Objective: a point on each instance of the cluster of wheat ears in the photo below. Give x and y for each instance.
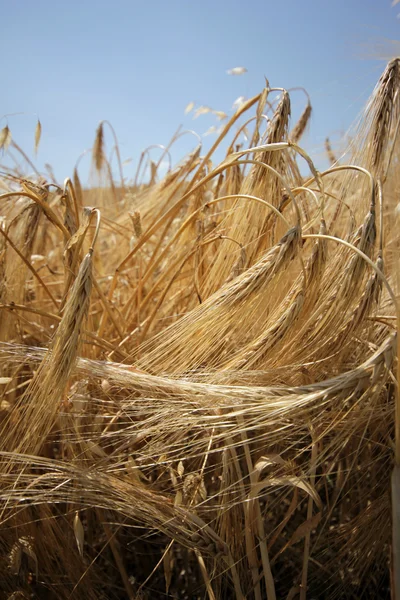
(198, 373)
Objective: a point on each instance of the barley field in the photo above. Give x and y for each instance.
(198, 372)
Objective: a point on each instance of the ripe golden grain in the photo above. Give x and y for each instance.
(209, 379)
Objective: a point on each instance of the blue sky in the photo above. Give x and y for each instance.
(138, 64)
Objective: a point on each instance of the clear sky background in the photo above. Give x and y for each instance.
(138, 64)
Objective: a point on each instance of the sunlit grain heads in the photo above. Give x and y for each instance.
(300, 127)
(385, 111)
(267, 267)
(229, 397)
(280, 120)
(98, 153)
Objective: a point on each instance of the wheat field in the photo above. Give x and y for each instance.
(198, 372)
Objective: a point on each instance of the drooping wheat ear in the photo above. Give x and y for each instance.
(387, 101)
(257, 350)
(376, 135)
(301, 124)
(99, 158)
(219, 315)
(262, 272)
(40, 403)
